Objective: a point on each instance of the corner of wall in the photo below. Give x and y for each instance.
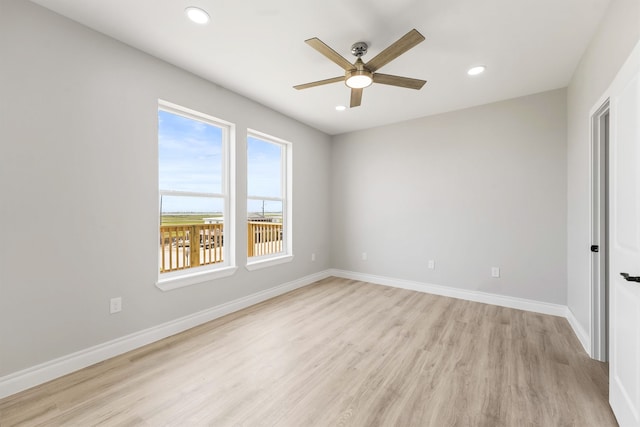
(580, 332)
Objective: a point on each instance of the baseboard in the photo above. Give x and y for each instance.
(477, 296)
(39, 374)
(30, 377)
(582, 335)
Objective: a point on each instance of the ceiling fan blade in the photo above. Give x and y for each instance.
(321, 47)
(387, 79)
(406, 42)
(320, 83)
(356, 97)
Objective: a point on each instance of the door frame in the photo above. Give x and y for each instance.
(599, 231)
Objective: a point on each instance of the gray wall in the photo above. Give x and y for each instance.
(78, 166)
(471, 189)
(618, 33)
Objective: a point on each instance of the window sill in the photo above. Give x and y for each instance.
(268, 262)
(188, 279)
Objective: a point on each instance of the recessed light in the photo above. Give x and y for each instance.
(340, 108)
(197, 15)
(476, 70)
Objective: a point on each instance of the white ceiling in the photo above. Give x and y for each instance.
(256, 48)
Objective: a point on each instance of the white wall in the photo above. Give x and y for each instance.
(618, 33)
(78, 166)
(471, 189)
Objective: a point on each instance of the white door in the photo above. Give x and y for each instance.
(624, 351)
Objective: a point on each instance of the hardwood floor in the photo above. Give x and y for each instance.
(339, 353)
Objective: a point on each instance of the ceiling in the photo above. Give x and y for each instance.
(256, 49)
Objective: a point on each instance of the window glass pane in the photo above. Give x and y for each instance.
(264, 228)
(264, 168)
(190, 154)
(264, 210)
(191, 233)
(178, 210)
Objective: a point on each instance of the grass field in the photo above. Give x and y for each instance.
(198, 218)
(187, 219)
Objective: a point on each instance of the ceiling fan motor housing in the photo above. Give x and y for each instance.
(359, 49)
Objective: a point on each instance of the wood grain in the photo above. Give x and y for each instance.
(339, 353)
(331, 54)
(400, 46)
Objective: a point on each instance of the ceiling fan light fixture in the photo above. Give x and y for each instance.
(358, 79)
(197, 15)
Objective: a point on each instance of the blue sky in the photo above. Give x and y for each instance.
(190, 159)
(263, 168)
(190, 154)
(263, 174)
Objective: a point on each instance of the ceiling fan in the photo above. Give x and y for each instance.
(360, 75)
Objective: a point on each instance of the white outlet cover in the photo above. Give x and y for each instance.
(431, 264)
(495, 272)
(115, 305)
(364, 256)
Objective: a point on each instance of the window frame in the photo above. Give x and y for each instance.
(190, 276)
(286, 173)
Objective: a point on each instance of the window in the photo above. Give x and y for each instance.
(268, 200)
(195, 156)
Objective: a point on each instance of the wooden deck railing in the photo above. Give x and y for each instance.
(177, 252)
(263, 238)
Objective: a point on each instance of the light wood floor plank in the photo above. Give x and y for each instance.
(339, 353)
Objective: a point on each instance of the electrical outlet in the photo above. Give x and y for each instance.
(364, 256)
(495, 272)
(313, 257)
(431, 264)
(115, 305)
